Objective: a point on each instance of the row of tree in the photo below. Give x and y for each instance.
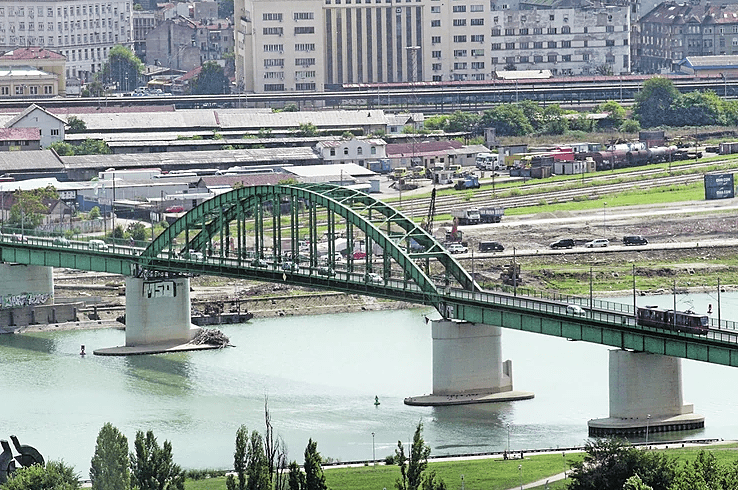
(259, 463)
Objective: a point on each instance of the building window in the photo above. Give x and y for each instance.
(4, 90)
(610, 58)
(435, 9)
(305, 30)
(305, 47)
(359, 151)
(435, 39)
(609, 28)
(538, 45)
(476, 8)
(459, 22)
(54, 132)
(277, 31)
(333, 152)
(436, 23)
(552, 44)
(552, 30)
(537, 30)
(585, 57)
(477, 65)
(459, 8)
(566, 57)
(345, 151)
(509, 45)
(477, 22)
(496, 31)
(460, 53)
(459, 66)
(524, 31)
(552, 58)
(460, 39)
(524, 59)
(496, 46)
(509, 32)
(304, 16)
(566, 30)
(477, 38)
(524, 45)
(609, 42)
(435, 54)
(551, 17)
(566, 44)
(437, 67)
(477, 52)
(264, 16)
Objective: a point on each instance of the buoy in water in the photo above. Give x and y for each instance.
(82, 350)
(376, 401)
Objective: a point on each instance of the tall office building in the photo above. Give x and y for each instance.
(83, 31)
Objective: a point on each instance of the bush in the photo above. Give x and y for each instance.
(630, 126)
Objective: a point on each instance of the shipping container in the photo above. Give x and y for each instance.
(719, 186)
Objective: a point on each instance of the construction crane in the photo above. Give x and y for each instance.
(427, 223)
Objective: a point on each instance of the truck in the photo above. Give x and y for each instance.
(381, 166)
(469, 216)
(468, 182)
(488, 161)
(491, 215)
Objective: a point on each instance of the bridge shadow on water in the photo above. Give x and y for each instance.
(29, 342)
(164, 374)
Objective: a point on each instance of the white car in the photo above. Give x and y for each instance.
(373, 278)
(457, 248)
(575, 310)
(598, 242)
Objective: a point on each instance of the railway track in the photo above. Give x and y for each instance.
(556, 192)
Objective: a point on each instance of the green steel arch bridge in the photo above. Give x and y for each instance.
(295, 233)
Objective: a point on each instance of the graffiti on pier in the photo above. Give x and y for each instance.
(24, 299)
(27, 456)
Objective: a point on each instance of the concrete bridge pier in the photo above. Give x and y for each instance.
(645, 397)
(157, 317)
(468, 367)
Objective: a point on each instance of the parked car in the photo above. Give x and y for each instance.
(18, 238)
(174, 209)
(491, 247)
(259, 263)
(326, 271)
(575, 310)
(457, 248)
(97, 245)
(634, 240)
(290, 266)
(598, 242)
(193, 255)
(373, 278)
(60, 240)
(563, 243)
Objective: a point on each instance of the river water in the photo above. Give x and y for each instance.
(320, 375)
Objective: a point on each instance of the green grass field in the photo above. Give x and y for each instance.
(479, 474)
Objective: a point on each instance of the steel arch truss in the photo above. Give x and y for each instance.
(282, 224)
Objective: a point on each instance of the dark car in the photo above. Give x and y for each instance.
(634, 240)
(491, 247)
(563, 243)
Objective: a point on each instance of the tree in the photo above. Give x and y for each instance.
(137, 231)
(508, 120)
(76, 125)
(554, 121)
(609, 463)
(109, 468)
(314, 477)
(92, 147)
(94, 89)
(653, 103)
(62, 148)
(239, 456)
(257, 469)
(211, 80)
(225, 9)
(152, 466)
(94, 213)
(51, 476)
(307, 129)
(533, 112)
(463, 122)
(436, 123)
(412, 471)
(296, 479)
(28, 206)
(615, 114)
(122, 68)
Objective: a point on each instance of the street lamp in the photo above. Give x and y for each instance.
(520, 470)
(462, 482)
(604, 218)
(648, 419)
(508, 438)
(374, 459)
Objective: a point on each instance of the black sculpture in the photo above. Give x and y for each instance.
(28, 456)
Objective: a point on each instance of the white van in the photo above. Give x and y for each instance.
(97, 245)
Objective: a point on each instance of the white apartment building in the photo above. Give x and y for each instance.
(81, 30)
(316, 45)
(567, 41)
(354, 150)
(313, 45)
